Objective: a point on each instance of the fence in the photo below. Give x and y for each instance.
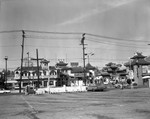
(65, 89)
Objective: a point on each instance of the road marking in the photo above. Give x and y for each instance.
(33, 109)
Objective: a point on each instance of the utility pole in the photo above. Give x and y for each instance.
(28, 69)
(23, 36)
(83, 47)
(37, 58)
(6, 58)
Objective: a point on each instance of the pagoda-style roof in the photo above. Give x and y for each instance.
(52, 67)
(140, 62)
(109, 70)
(113, 67)
(137, 62)
(105, 74)
(65, 68)
(44, 61)
(121, 70)
(77, 70)
(61, 63)
(89, 67)
(138, 56)
(34, 68)
(147, 58)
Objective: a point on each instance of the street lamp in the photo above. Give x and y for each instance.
(88, 55)
(6, 58)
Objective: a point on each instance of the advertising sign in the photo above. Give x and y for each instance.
(79, 74)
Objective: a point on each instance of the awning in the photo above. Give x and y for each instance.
(146, 77)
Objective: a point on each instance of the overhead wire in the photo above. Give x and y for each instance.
(91, 39)
(73, 33)
(12, 31)
(113, 38)
(116, 43)
(46, 32)
(95, 38)
(9, 45)
(51, 46)
(50, 38)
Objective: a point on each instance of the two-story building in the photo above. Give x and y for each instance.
(30, 73)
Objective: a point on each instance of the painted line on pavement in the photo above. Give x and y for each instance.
(33, 109)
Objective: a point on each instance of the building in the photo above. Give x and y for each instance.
(139, 66)
(54, 76)
(30, 73)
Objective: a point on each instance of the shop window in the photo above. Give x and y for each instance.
(45, 83)
(51, 83)
(44, 72)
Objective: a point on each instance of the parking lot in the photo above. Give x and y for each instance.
(112, 104)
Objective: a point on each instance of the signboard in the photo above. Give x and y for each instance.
(53, 76)
(79, 74)
(74, 64)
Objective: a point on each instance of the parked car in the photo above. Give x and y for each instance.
(2, 91)
(96, 87)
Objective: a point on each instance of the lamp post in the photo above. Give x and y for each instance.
(88, 55)
(6, 58)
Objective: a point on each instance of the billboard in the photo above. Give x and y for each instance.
(74, 64)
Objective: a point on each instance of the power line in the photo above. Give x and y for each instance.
(9, 45)
(50, 46)
(117, 41)
(116, 44)
(80, 33)
(12, 31)
(50, 38)
(46, 32)
(108, 37)
(73, 33)
(94, 40)
(110, 49)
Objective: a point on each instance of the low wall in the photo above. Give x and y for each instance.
(65, 89)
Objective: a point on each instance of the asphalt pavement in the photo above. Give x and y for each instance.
(112, 104)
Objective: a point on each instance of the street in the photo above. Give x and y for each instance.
(112, 104)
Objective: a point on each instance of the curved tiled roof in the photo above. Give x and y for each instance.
(137, 62)
(77, 69)
(89, 67)
(138, 56)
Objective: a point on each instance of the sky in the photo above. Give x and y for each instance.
(125, 21)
